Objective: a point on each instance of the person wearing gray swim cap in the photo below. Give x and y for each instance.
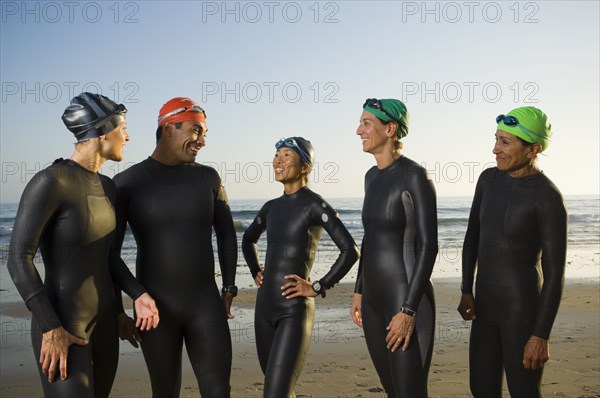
(67, 211)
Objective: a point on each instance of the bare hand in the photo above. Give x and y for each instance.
(356, 309)
(297, 288)
(146, 312)
(400, 330)
(536, 353)
(466, 308)
(127, 329)
(54, 351)
(260, 277)
(227, 300)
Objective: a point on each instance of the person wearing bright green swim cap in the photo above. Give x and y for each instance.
(393, 297)
(521, 135)
(514, 253)
(528, 123)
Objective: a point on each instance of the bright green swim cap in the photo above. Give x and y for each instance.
(389, 110)
(528, 123)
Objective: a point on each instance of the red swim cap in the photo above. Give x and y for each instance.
(181, 109)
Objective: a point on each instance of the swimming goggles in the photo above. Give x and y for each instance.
(513, 121)
(376, 104)
(191, 108)
(119, 109)
(292, 144)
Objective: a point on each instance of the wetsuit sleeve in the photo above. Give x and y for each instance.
(251, 236)
(123, 278)
(552, 218)
(226, 238)
(358, 284)
(40, 200)
(471, 243)
(331, 222)
(425, 207)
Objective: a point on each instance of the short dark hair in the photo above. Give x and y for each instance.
(159, 130)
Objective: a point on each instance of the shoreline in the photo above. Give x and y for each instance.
(338, 364)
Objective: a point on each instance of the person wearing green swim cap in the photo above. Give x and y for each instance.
(393, 297)
(516, 241)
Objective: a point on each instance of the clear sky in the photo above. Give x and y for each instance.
(268, 69)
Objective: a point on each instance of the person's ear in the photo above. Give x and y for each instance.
(391, 129)
(306, 168)
(168, 129)
(534, 150)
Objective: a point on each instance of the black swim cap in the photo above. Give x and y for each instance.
(300, 145)
(92, 115)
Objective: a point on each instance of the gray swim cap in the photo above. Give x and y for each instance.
(92, 115)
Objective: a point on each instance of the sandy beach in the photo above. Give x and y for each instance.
(338, 364)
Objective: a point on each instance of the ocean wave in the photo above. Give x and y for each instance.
(5, 230)
(584, 218)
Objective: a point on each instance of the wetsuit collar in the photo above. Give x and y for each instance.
(529, 177)
(163, 166)
(74, 163)
(295, 194)
(392, 165)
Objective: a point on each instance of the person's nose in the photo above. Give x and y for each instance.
(496, 148)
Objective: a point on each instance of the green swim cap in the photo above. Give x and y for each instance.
(528, 123)
(389, 110)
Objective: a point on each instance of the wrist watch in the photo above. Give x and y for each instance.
(408, 311)
(318, 288)
(230, 289)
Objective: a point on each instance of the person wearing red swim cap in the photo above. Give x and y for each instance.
(172, 205)
(67, 212)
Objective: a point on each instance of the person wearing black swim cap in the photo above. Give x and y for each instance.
(285, 306)
(394, 300)
(67, 212)
(516, 243)
(172, 205)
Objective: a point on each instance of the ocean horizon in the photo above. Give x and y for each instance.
(453, 214)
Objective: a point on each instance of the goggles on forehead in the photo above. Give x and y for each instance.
(376, 104)
(512, 121)
(120, 109)
(292, 144)
(191, 108)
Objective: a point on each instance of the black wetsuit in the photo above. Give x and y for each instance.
(294, 224)
(67, 211)
(171, 211)
(398, 253)
(514, 223)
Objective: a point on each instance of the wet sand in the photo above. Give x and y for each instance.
(338, 364)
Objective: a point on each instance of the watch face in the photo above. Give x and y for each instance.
(317, 286)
